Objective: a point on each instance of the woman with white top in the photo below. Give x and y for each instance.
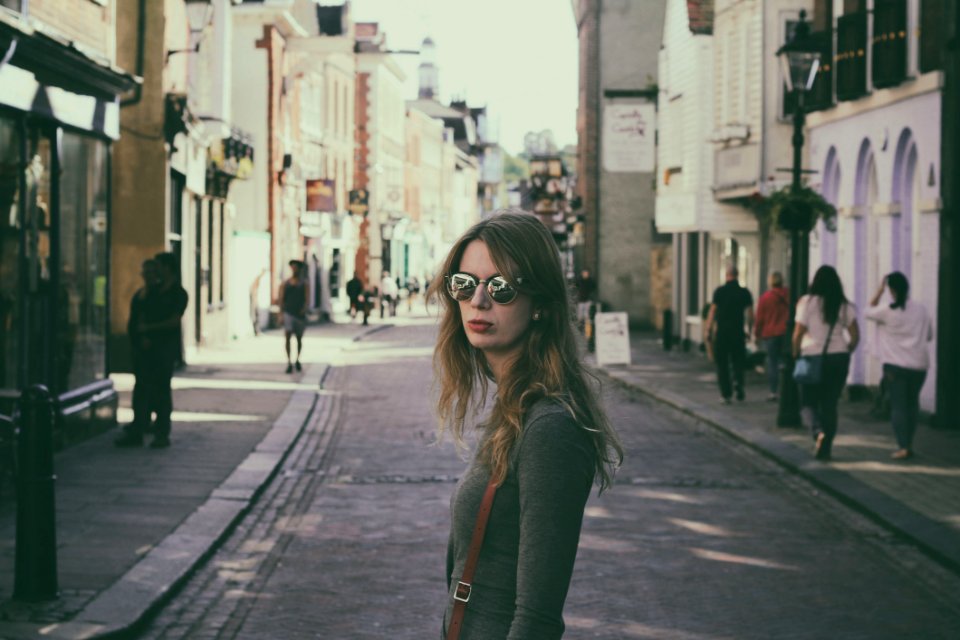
(823, 315)
(903, 331)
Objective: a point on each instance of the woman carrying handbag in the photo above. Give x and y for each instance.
(826, 327)
(516, 512)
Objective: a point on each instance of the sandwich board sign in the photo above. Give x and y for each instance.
(613, 338)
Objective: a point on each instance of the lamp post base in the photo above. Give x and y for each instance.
(788, 414)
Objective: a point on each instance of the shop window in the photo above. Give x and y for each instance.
(10, 143)
(38, 298)
(81, 305)
(13, 5)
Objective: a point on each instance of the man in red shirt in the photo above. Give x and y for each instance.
(773, 310)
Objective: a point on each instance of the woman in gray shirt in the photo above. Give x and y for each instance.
(546, 440)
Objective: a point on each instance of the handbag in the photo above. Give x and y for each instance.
(462, 594)
(809, 369)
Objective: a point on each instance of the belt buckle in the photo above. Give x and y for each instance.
(462, 594)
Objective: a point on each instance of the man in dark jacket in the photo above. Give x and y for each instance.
(139, 347)
(730, 303)
(158, 329)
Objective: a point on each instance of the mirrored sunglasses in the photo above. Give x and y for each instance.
(462, 286)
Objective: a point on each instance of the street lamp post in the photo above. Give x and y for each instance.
(800, 61)
(199, 16)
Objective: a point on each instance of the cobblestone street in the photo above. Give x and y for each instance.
(700, 538)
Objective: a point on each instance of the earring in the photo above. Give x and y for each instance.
(536, 315)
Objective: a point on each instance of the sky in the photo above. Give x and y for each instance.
(517, 57)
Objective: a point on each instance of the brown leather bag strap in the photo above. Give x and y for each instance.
(462, 594)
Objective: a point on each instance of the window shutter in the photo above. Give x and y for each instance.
(889, 43)
(931, 35)
(821, 94)
(851, 59)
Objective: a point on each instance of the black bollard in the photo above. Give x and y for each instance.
(667, 329)
(35, 568)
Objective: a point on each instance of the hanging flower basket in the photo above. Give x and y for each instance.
(795, 209)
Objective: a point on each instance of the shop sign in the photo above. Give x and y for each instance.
(359, 202)
(613, 338)
(321, 195)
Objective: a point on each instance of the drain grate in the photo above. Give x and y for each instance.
(396, 479)
(686, 482)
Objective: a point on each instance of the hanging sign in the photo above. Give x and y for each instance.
(359, 202)
(629, 133)
(321, 195)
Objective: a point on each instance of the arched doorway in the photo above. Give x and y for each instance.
(905, 192)
(827, 239)
(866, 234)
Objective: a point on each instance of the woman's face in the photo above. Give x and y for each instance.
(496, 329)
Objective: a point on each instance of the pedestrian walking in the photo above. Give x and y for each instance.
(506, 319)
(825, 326)
(354, 292)
(389, 292)
(732, 304)
(413, 290)
(586, 287)
(293, 304)
(159, 332)
(770, 330)
(904, 329)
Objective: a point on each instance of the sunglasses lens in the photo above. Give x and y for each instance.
(500, 290)
(462, 286)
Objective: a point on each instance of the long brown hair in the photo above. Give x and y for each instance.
(547, 365)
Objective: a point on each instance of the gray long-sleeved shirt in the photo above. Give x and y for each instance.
(527, 556)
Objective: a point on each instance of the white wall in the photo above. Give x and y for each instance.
(863, 260)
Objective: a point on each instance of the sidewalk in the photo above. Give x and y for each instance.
(133, 523)
(918, 498)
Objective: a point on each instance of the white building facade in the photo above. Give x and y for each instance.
(685, 204)
(877, 153)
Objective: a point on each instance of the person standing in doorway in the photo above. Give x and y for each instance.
(160, 329)
(903, 332)
(139, 351)
(293, 304)
(773, 311)
(730, 303)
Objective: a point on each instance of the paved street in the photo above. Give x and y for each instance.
(700, 538)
